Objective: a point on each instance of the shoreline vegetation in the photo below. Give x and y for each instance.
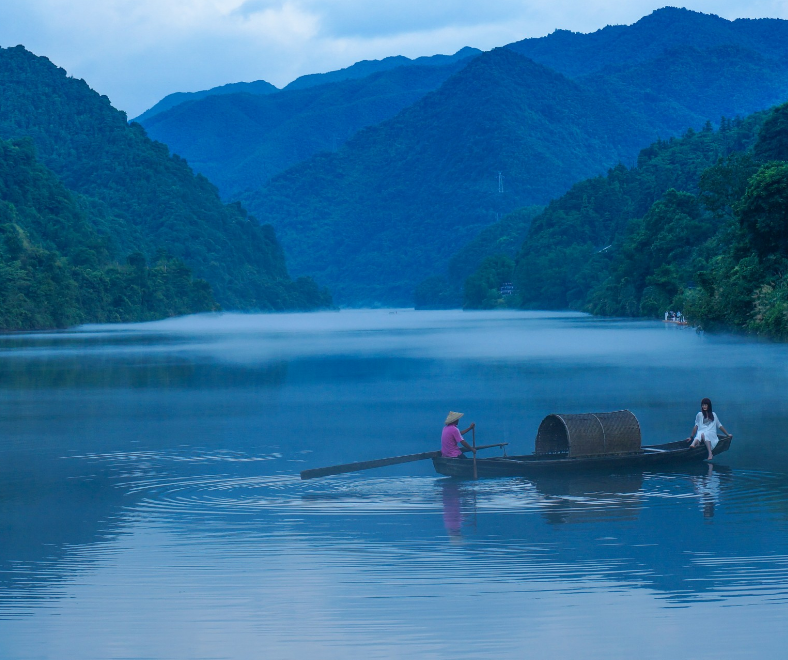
(699, 225)
(99, 223)
(56, 271)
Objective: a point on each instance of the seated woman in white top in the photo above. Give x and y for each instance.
(706, 425)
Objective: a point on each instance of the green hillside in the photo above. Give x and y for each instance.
(699, 226)
(570, 244)
(392, 206)
(138, 197)
(56, 270)
(502, 238)
(721, 255)
(240, 141)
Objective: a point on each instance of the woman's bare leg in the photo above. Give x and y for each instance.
(708, 446)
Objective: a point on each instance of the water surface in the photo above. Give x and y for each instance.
(150, 505)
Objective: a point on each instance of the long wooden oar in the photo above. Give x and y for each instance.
(380, 462)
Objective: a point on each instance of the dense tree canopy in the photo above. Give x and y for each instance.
(502, 238)
(55, 269)
(136, 196)
(763, 210)
(699, 226)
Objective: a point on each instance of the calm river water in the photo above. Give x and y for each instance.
(150, 504)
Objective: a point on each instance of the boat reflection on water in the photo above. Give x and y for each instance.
(592, 497)
(459, 508)
(586, 498)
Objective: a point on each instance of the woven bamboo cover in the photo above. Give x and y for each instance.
(589, 434)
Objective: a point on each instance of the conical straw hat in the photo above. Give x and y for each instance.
(452, 417)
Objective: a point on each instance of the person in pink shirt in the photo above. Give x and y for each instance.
(451, 438)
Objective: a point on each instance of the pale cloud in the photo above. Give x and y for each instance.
(351, 18)
(137, 51)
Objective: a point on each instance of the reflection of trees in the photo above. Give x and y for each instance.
(134, 372)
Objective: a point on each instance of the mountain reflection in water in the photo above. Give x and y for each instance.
(150, 504)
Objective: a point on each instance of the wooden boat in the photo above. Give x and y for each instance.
(577, 443)
(564, 444)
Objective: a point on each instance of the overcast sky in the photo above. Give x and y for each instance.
(138, 51)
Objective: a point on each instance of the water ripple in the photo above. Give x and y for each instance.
(153, 477)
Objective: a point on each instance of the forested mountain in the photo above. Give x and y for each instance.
(56, 270)
(137, 196)
(261, 87)
(576, 54)
(727, 78)
(645, 66)
(432, 171)
(240, 141)
(414, 189)
(503, 238)
(720, 255)
(698, 226)
(569, 245)
(685, 86)
(258, 88)
(389, 208)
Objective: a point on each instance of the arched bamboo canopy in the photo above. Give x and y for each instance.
(589, 434)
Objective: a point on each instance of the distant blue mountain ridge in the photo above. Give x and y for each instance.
(366, 68)
(571, 53)
(577, 54)
(360, 69)
(258, 88)
(374, 182)
(401, 197)
(239, 141)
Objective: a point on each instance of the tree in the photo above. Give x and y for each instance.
(773, 137)
(763, 212)
(483, 288)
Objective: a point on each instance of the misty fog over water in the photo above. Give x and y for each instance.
(150, 503)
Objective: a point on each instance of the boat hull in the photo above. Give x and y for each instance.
(652, 456)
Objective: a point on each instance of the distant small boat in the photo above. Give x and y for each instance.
(677, 318)
(578, 443)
